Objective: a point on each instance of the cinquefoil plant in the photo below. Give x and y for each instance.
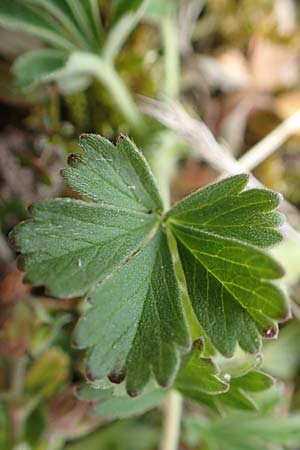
(125, 253)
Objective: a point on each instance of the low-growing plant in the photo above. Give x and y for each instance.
(167, 288)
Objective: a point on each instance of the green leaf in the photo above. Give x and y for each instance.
(112, 405)
(73, 21)
(236, 395)
(48, 373)
(130, 434)
(62, 13)
(121, 255)
(5, 426)
(122, 7)
(84, 15)
(117, 175)
(199, 375)
(225, 210)
(19, 16)
(282, 357)
(93, 16)
(127, 15)
(225, 275)
(32, 67)
(253, 381)
(138, 323)
(244, 431)
(77, 244)
(115, 248)
(35, 426)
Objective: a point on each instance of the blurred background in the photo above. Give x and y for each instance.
(165, 72)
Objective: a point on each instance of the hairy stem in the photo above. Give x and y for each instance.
(172, 419)
(90, 65)
(108, 76)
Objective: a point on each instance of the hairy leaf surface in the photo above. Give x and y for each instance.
(115, 248)
(138, 321)
(200, 375)
(238, 394)
(118, 175)
(76, 244)
(225, 210)
(227, 277)
(112, 405)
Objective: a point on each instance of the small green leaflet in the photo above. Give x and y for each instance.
(200, 375)
(217, 229)
(114, 248)
(236, 393)
(111, 401)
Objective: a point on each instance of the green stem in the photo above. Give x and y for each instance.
(164, 163)
(108, 76)
(87, 64)
(120, 32)
(172, 59)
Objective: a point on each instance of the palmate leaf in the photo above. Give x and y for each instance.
(216, 229)
(121, 254)
(115, 249)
